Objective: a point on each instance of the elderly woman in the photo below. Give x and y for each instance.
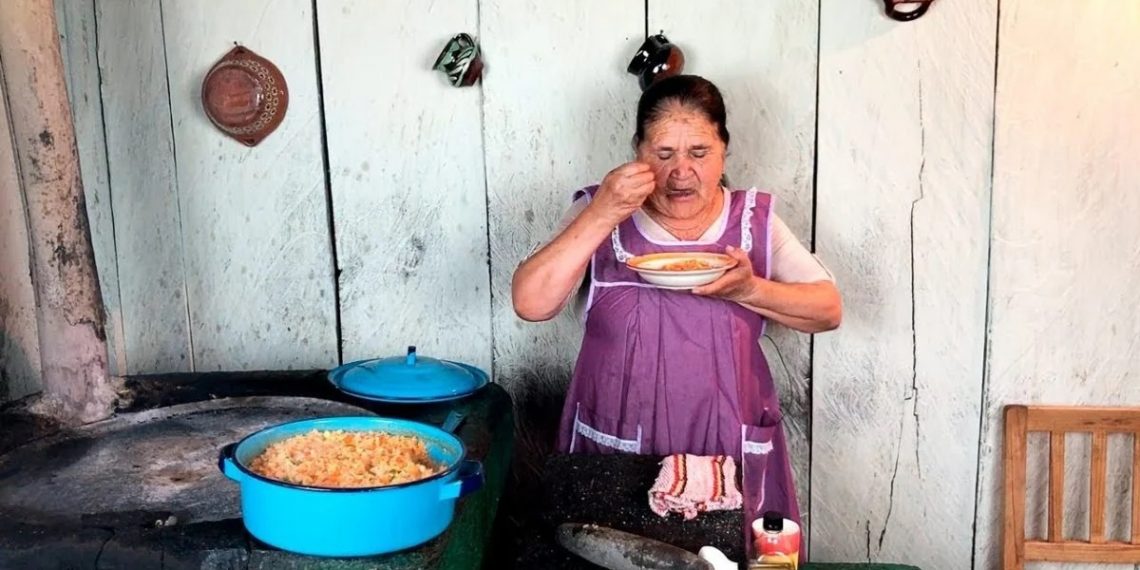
(664, 371)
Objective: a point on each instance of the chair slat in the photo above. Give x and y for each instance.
(1056, 486)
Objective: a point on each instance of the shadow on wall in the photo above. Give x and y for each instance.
(537, 393)
(18, 377)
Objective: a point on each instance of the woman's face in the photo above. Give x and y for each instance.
(687, 156)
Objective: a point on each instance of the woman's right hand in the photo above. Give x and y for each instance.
(623, 191)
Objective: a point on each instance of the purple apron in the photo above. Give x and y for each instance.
(663, 372)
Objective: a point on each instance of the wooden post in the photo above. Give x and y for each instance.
(1013, 450)
(70, 317)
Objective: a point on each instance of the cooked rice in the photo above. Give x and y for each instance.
(687, 265)
(338, 458)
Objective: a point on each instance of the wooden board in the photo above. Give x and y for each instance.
(255, 222)
(762, 56)
(406, 169)
(1063, 278)
(144, 193)
(79, 47)
(19, 337)
(902, 208)
(556, 119)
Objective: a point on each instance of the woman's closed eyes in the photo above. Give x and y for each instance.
(696, 152)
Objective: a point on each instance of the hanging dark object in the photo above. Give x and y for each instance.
(656, 59)
(461, 61)
(245, 96)
(906, 10)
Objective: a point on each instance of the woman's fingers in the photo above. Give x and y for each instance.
(740, 256)
(732, 282)
(629, 169)
(625, 189)
(710, 289)
(641, 178)
(636, 167)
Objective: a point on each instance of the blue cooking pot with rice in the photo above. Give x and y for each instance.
(322, 521)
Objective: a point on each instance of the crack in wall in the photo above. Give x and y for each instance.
(913, 300)
(868, 532)
(912, 395)
(891, 496)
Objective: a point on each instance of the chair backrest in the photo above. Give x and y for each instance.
(1057, 421)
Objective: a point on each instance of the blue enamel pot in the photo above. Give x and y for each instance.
(321, 521)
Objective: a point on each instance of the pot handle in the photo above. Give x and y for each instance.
(469, 480)
(454, 419)
(226, 462)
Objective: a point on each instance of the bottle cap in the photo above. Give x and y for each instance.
(773, 521)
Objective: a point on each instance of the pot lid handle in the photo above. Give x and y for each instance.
(411, 360)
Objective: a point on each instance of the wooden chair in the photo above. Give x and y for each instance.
(1057, 421)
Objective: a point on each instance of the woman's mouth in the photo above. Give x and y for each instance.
(680, 193)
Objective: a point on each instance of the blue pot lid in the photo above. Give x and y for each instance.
(410, 378)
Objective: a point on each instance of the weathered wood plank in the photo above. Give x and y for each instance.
(254, 220)
(144, 193)
(19, 339)
(903, 188)
(1062, 323)
(406, 169)
(553, 124)
(76, 20)
(762, 56)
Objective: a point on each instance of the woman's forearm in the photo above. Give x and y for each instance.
(806, 307)
(544, 281)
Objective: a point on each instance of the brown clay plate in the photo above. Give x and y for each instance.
(245, 96)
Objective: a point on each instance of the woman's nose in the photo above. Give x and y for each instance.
(680, 168)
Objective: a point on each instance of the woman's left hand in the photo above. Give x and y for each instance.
(737, 284)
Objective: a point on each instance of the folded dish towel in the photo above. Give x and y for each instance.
(692, 484)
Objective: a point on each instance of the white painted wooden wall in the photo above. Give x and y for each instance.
(970, 178)
(902, 205)
(1065, 265)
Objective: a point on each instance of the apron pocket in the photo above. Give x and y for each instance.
(597, 433)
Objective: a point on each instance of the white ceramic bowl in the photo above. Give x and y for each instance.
(654, 268)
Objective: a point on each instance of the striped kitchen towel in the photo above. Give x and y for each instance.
(692, 484)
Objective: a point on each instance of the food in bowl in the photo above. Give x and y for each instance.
(681, 270)
(687, 265)
(346, 459)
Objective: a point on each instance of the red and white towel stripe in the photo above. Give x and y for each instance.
(692, 484)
